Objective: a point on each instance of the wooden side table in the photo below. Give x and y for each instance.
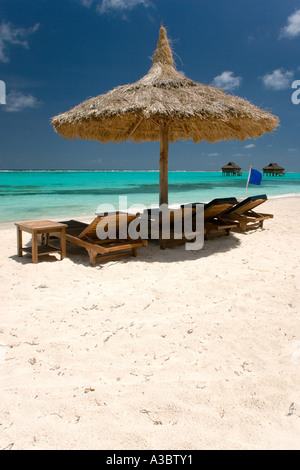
(42, 227)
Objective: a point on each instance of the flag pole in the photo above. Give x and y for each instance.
(248, 181)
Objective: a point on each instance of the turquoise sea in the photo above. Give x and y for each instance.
(26, 195)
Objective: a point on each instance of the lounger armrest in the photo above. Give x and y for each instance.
(261, 214)
(252, 213)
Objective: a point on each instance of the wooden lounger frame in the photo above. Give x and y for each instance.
(245, 216)
(85, 236)
(214, 226)
(176, 215)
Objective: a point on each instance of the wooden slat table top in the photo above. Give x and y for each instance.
(40, 226)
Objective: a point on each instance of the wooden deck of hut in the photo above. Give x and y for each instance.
(231, 169)
(273, 169)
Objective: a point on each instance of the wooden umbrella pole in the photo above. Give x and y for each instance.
(163, 165)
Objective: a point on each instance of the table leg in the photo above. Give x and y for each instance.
(34, 248)
(63, 243)
(19, 242)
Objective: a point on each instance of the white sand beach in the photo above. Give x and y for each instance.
(174, 349)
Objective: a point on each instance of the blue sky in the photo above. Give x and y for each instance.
(54, 54)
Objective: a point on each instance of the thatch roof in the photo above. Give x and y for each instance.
(273, 166)
(164, 97)
(230, 166)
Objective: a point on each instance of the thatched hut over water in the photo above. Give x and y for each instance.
(273, 169)
(231, 169)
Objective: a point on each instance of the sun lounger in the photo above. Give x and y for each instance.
(85, 236)
(214, 226)
(174, 229)
(244, 214)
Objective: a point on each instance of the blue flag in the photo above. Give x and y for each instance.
(255, 177)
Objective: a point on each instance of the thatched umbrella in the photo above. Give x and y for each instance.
(164, 105)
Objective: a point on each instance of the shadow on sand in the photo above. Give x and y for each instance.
(149, 254)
